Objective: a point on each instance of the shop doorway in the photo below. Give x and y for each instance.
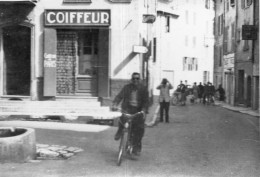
(249, 86)
(241, 81)
(17, 60)
(82, 62)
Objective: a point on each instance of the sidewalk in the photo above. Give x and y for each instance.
(243, 110)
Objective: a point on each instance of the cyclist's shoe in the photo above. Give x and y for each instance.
(118, 135)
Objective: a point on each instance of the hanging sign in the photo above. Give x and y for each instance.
(77, 17)
(139, 49)
(148, 18)
(249, 32)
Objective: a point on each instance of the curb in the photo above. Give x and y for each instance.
(242, 110)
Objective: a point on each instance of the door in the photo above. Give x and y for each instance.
(249, 87)
(17, 60)
(87, 62)
(241, 86)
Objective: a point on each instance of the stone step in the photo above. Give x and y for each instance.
(50, 103)
(70, 116)
(51, 109)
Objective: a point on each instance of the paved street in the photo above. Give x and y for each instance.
(199, 141)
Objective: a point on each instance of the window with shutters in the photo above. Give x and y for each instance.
(220, 53)
(232, 3)
(190, 64)
(246, 3)
(226, 40)
(233, 37)
(227, 5)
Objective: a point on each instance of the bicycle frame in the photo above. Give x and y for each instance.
(126, 144)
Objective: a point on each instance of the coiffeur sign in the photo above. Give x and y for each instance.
(77, 17)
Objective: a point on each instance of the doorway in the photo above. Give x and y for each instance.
(241, 81)
(249, 86)
(17, 60)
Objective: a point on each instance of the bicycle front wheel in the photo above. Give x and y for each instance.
(121, 150)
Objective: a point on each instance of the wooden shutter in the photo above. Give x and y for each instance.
(103, 63)
(50, 47)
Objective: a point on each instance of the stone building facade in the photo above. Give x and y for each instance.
(240, 71)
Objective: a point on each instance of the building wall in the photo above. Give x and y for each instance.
(244, 57)
(126, 30)
(191, 36)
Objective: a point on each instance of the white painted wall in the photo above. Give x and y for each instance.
(126, 29)
(172, 48)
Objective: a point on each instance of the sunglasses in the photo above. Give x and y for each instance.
(135, 78)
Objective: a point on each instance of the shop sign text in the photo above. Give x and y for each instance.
(77, 17)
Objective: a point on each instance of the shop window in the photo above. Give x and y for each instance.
(77, 1)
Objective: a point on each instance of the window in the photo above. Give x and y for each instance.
(186, 41)
(187, 17)
(227, 6)
(233, 37)
(190, 64)
(220, 24)
(220, 56)
(168, 24)
(194, 18)
(245, 3)
(226, 40)
(232, 3)
(207, 4)
(194, 41)
(205, 76)
(154, 49)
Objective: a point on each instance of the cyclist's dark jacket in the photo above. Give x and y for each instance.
(125, 94)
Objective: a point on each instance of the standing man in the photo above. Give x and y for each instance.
(201, 91)
(183, 93)
(164, 99)
(134, 97)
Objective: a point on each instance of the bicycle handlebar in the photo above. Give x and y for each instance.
(129, 116)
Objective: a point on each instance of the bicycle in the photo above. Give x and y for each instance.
(126, 143)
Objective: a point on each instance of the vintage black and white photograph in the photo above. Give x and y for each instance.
(129, 88)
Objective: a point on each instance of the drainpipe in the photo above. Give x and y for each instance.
(235, 57)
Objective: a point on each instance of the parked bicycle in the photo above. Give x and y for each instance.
(126, 139)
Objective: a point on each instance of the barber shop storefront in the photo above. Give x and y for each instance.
(69, 48)
(65, 55)
(76, 51)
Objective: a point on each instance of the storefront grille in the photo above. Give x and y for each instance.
(66, 62)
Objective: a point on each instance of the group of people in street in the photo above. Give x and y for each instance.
(134, 98)
(200, 93)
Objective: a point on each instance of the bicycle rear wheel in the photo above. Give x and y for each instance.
(121, 150)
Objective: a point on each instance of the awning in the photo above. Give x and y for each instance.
(166, 10)
(30, 2)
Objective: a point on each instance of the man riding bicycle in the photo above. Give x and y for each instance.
(134, 97)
